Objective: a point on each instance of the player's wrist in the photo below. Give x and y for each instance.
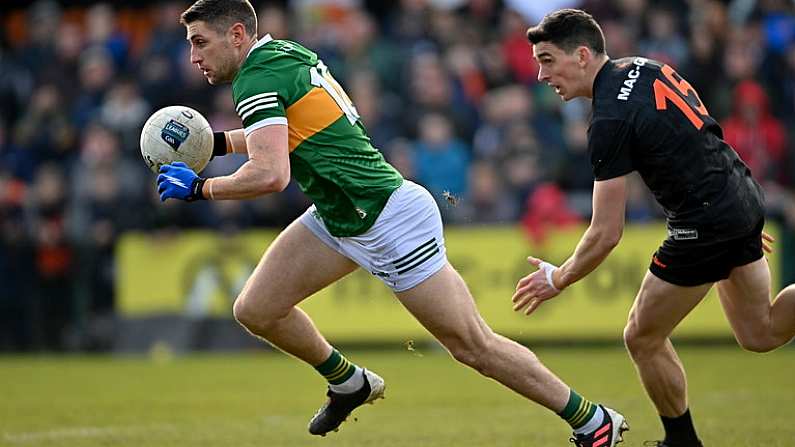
(549, 272)
(556, 279)
(197, 189)
(220, 144)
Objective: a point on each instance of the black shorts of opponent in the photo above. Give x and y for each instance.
(685, 260)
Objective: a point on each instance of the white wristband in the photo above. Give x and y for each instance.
(549, 269)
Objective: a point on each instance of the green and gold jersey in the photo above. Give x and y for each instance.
(331, 157)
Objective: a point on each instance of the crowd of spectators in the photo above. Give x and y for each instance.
(446, 88)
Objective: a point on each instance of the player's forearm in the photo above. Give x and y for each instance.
(592, 249)
(251, 180)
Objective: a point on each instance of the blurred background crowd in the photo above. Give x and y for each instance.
(446, 88)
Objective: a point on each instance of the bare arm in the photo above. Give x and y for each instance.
(604, 233)
(267, 169)
(607, 225)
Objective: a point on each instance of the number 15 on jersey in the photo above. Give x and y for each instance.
(684, 98)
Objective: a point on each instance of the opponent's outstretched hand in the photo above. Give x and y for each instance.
(535, 288)
(178, 181)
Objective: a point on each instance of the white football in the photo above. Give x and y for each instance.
(177, 133)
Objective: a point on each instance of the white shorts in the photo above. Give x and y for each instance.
(405, 245)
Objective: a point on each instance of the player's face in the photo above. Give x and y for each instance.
(560, 70)
(211, 52)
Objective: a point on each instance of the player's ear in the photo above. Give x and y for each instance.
(237, 33)
(583, 55)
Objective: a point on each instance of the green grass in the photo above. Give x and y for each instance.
(738, 399)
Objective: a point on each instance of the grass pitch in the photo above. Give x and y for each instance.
(266, 399)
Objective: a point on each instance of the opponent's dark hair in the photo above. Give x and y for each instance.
(221, 14)
(569, 29)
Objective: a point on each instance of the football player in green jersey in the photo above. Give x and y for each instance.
(297, 121)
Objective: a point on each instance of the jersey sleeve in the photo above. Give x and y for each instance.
(609, 145)
(259, 100)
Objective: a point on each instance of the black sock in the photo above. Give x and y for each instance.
(680, 432)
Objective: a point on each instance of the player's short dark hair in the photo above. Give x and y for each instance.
(569, 29)
(221, 14)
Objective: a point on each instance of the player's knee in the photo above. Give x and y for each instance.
(639, 342)
(253, 317)
(629, 336)
(242, 312)
(465, 355)
(758, 344)
(473, 351)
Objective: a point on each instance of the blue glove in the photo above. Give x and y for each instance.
(178, 181)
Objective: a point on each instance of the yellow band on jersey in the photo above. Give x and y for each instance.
(309, 115)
